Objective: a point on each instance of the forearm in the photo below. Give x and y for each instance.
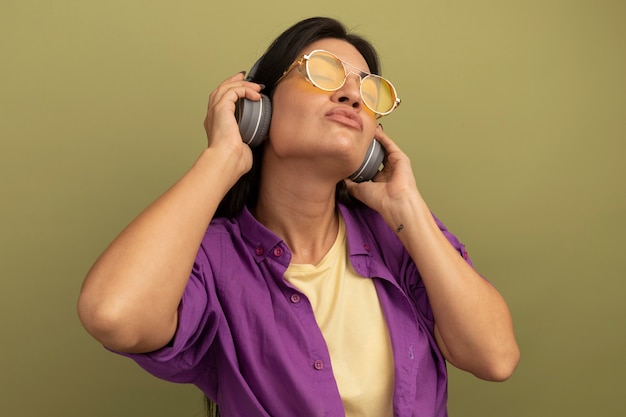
(130, 296)
(473, 323)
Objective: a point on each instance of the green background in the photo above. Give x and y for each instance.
(513, 115)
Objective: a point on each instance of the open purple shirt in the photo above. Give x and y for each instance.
(249, 340)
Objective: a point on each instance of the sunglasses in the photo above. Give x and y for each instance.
(329, 73)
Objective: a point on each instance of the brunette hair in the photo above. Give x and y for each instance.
(269, 68)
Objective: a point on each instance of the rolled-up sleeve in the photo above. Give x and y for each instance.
(182, 360)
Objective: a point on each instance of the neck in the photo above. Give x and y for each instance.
(303, 215)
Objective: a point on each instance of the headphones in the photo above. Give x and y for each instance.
(254, 117)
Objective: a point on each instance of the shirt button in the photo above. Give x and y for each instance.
(295, 298)
(319, 365)
(278, 252)
(259, 251)
(366, 247)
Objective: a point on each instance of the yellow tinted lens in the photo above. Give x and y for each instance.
(325, 71)
(378, 94)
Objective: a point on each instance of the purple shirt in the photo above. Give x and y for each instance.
(249, 340)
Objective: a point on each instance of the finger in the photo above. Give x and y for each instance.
(222, 102)
(220, 115)
(235, 87)
(363, 191)
(352, 188)
(234, 92)
(239, 77)
(385, 140)
(228, 97)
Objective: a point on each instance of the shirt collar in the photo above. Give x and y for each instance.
(263, 241)
(359, 242)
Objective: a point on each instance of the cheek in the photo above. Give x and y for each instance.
(289, 116)
(297, 99)
(371, 126)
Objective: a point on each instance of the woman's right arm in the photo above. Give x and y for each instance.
(130, 296)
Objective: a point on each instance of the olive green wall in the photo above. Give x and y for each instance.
(513, 114)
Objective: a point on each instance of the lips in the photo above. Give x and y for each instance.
(346, 117)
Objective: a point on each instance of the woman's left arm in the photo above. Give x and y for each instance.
(473, 324)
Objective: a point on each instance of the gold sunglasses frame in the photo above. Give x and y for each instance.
(361, 74)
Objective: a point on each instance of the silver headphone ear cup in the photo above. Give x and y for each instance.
(371, 163)
(254, 119)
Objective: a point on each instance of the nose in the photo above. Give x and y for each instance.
(350, 92)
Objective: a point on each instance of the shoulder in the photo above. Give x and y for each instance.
(363, 222)
(360, 215)
(239, 237)
(222, 240)
(369, 235)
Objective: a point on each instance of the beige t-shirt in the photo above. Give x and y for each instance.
(348, 312)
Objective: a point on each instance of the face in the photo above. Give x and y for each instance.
(331, 129)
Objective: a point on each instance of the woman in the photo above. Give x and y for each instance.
(281, 289)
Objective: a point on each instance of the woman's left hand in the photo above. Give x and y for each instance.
(394, 185)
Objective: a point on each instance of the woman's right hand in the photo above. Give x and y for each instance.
(220, 124)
